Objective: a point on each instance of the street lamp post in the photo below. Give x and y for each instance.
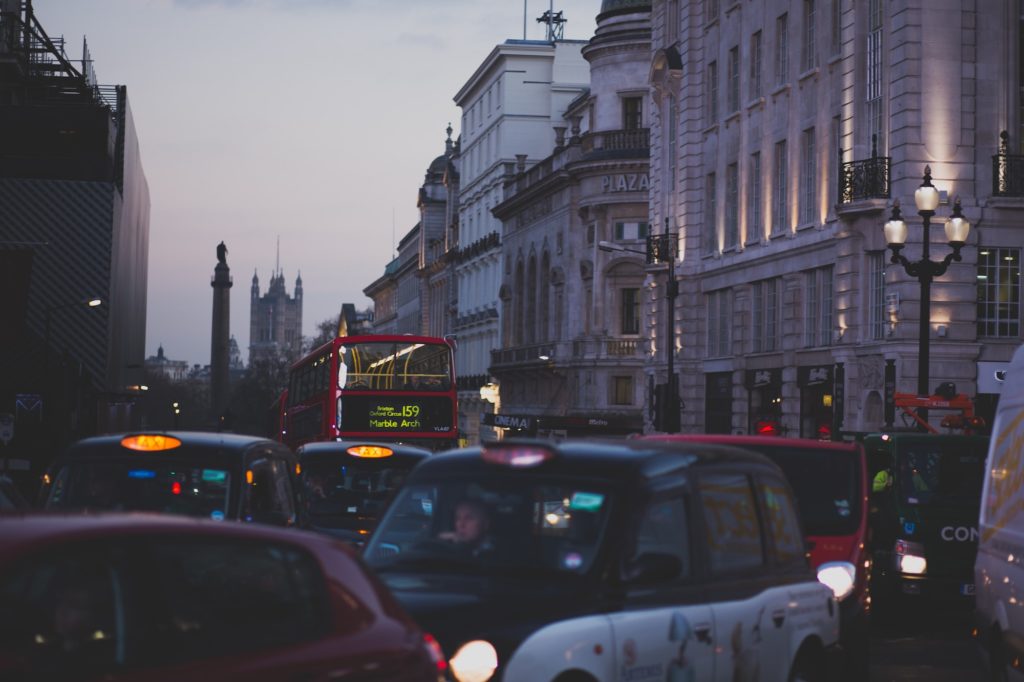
(662, 248)
(926, 197)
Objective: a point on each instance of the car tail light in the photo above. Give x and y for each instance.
(433, 649)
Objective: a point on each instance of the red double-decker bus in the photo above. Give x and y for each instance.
(392, 388)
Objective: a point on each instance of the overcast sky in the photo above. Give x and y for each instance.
(314, 120)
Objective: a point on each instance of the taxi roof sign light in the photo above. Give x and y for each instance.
(150, 443)
(370, 451)
(519, 455)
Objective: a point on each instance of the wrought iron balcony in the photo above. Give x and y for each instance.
(1007, 170)
(864, 179)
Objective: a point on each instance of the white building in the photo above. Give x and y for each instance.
(783, 130)
(510, 105)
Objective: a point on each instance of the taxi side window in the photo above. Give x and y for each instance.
(664, 529)
(731, 522)
(217, 598)
(60, 614)
(780, 510)
(268, 496)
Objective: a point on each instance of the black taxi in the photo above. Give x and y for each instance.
(213, 475)
(347, 485)
(607, 560)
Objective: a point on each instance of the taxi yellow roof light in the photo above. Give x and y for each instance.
(150, 443)
(517, 455)
(370, 451)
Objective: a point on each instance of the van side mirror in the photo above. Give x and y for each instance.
(652, 567)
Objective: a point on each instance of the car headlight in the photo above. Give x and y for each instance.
(910, 557)
(838, 575)
(475, 661)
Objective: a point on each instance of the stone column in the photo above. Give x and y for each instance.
(219, 340)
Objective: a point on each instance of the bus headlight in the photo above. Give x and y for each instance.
(910, 557)
(840, 576)
(475, 661)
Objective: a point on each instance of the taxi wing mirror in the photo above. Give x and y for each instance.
(652, 567)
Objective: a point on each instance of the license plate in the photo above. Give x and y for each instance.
(967, 589)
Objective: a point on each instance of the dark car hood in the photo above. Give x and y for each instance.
(457, 608)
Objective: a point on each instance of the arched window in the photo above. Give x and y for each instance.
(545, 298)
(519, 296)
(531, 301)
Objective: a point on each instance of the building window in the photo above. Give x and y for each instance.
(755, 65)
(719, 315)
(629, 312)
(999, 292)
(631, 231)
(632, 113)
(837, 29)
(711, 216)
(780, 205)
(877, 314)
(765, 314)
(808, 178)
(672, 22)
(781, 49)
(754, 198)
(734, 79)
(712, 90)
(873, 81)
(818, 307)
(810, 53)
(732, 208)
(710, 11)
(622, 391)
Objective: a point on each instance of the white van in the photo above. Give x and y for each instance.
(999, 567)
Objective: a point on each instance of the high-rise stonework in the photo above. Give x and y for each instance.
(574, 345)
(510, 108)
(275, 319)
(782, 133)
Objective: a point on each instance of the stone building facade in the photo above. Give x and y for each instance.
(275, 318)
(574, 343)
(781, 134)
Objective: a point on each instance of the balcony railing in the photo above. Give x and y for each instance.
(1007, 170)
(864, 179)
(618, 143)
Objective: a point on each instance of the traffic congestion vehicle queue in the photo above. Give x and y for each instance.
(213, 475)
(607, 560)
(348, 484)
(123, 597)
(830, 482)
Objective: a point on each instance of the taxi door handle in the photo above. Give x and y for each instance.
(703, 632)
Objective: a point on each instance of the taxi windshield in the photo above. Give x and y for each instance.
(520, 525)
(341, 495)
(941, 472)
(142, 485)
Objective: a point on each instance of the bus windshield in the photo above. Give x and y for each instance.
(394, 366)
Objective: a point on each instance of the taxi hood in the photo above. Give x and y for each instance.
(459, 608)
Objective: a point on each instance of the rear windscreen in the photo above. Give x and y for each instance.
(142, 485)
(941, 472)
(826, 484)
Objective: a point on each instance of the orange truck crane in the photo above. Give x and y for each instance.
(961, 407)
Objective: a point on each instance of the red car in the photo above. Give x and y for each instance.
(830, 483)
(158, 597)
